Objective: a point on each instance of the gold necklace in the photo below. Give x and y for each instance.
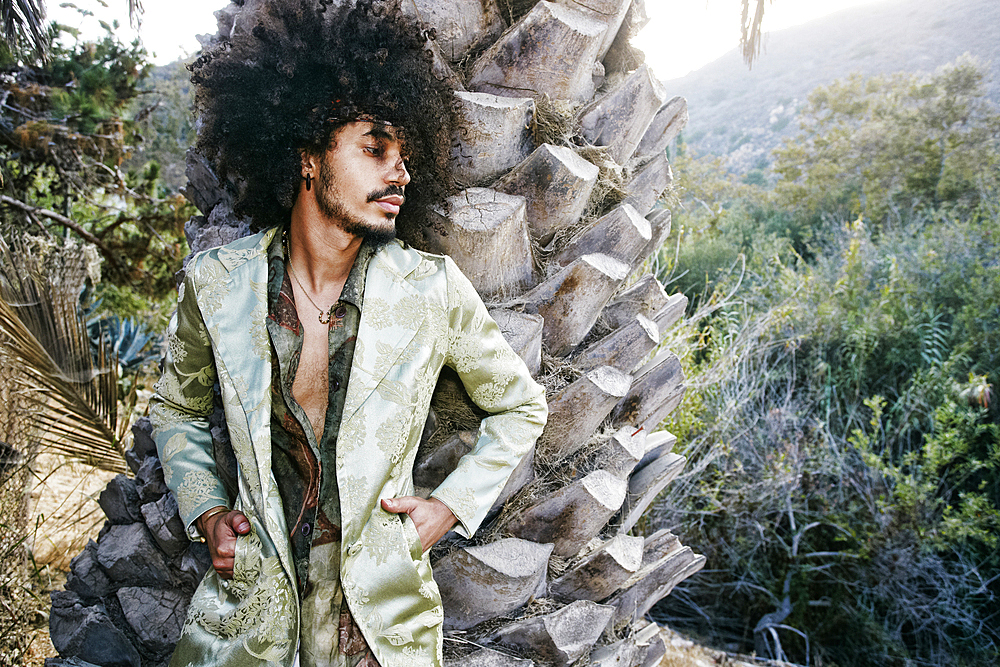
(291, 272)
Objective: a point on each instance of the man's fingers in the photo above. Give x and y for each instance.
(238, 522)
(400, 505)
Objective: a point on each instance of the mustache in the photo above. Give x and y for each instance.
(385, 192)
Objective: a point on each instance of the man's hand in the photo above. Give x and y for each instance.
(431, 518)
(220, 531)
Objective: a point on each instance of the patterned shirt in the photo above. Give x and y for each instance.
(304, 469)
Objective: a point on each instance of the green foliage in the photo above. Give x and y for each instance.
(880, 148)
(843, 449)
(68, 126)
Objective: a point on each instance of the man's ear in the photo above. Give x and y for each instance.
(309, 162)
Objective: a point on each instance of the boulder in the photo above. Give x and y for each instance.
(164, 523)
(602, 572)
(619, 119)
(482, 582)
(556, 182)
(578, 409)
(573, 515)
(622, 234)
(484, 231)
(120, 501)
(560, 638)
(149, 481)
(571, 300)
(491, 135)
(156, 615)
(86, 578)
(130, 556)
(550, 51)
(88, 633)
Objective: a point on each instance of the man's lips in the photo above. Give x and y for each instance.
(390, 203)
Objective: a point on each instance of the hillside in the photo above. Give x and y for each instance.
(744, 114)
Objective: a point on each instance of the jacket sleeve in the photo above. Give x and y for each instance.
(498, 381)
(180, 408)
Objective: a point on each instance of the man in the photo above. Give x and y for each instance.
(325, 338)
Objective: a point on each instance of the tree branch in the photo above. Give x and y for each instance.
(65, 222)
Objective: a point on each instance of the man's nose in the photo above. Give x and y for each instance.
(398, 174)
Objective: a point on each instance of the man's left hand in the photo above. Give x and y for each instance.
(431, 518)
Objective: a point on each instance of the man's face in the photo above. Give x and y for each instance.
(361, 178)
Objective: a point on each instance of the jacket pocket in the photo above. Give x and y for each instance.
(412, 537)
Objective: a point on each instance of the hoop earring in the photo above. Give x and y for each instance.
(309, 181)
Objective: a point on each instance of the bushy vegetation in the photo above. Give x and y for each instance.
(842, 353)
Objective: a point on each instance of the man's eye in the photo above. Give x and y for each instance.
(373, 150)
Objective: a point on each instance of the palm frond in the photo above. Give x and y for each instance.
(42, 328)
(22, 23)
(750, 30)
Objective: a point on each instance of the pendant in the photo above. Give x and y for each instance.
(328, 314)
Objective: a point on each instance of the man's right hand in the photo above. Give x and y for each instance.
(220, 531)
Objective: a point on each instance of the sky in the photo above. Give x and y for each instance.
(710, 28)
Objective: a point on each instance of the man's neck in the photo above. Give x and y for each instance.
(322, 253)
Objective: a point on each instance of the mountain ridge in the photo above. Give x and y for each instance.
(743, 114)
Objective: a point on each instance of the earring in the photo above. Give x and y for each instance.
(309, 181)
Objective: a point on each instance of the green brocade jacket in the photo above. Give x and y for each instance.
(420, 313)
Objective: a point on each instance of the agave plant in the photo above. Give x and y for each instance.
(75, 395)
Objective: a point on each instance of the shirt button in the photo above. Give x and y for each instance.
(306, 529)
(336, 385)
(340, 312)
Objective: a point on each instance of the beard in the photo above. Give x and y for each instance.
(332, 206)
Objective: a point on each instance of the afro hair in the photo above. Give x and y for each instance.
(285, 85)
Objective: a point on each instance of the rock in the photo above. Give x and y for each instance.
(68, 662)
(524, 333)
(561, 637)
(657, 389)
(485, 657)
(203, 188)
(625, 348)
(433, 465)
(550, 51)
(657, 444)
(165, 525)
(602, 572)
(120, 501)
(130, 556)
(484, 231)
(155, 615)
(88, 633)
(619, 119)
(666, 125)
(492, 135)
(571, 300)
(646, 483)
(578, 409)
(459, 25)
(653, 583)
(142, 438)
(623, 653)
(645, 297)
(86, 578)
(149, 480)
(221, 227)
(647, 184)
(556, 182)
(483, 582)
(194, 564)
(573, 515)
(624, 451)
(622, 234)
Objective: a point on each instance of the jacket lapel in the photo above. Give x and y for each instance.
(382, 338)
